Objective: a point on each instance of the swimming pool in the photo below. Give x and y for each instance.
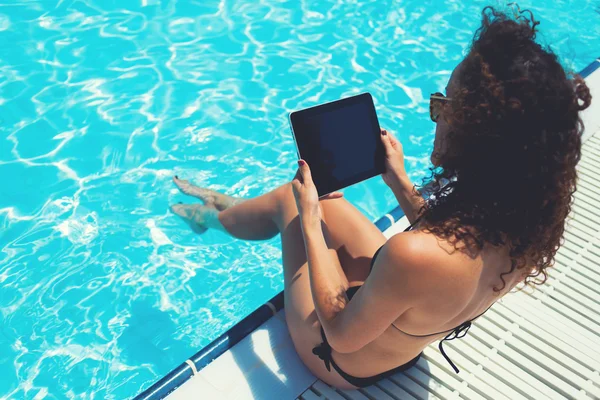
(103, 290)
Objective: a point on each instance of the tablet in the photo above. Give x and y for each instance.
(340, 141)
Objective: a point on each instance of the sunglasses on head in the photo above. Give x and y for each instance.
(436, 101)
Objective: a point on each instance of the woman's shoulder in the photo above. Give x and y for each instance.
(429, 253)
(435, 266)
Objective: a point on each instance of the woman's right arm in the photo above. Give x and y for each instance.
(397, 179)
(410, 202)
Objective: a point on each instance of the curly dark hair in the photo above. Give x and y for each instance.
(506, 174)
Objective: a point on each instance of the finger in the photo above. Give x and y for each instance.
(296, 185)
(331, 196)
(298, 176)
(387, 144)
(395, 142)
(305, 171)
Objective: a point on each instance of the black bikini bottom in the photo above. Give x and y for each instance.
(323, 351)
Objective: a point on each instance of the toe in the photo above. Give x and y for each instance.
(179, 209)
(198, 229)
(182, 184)
(186, 211)
(178, 181)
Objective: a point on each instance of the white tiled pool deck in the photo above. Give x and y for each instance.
(542, 344)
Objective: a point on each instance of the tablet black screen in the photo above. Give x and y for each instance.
(340, 141)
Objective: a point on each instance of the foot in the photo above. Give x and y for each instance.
(194, 215)
(218, 200)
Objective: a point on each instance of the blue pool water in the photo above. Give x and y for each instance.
(103, 290)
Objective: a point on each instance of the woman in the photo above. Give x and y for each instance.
(507, 142)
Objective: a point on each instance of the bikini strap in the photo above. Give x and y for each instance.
(448, 330)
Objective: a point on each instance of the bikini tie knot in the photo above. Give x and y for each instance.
(457, 333)
(323, 351)
(460, 330)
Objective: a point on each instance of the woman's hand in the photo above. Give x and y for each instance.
(307, 198)
(394, 158)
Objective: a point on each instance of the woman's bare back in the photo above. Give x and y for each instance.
(463, 291)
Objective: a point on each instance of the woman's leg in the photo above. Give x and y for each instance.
(354, 236)
(254, 219)
(250, 219)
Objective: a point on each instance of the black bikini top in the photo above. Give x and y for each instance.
(456, 333)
